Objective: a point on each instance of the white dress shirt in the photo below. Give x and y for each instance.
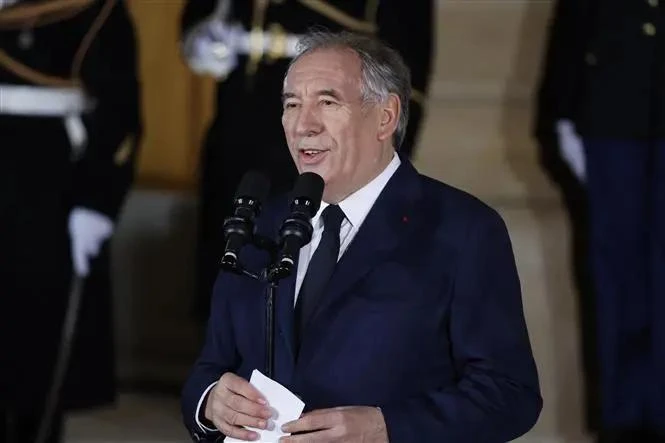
(356, 207)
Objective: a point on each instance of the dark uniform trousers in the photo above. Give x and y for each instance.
(59, 50)
(246, 132)
(605, 72)
(626, 184)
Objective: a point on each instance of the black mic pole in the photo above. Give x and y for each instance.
(270, 329)
(296, 231)
(269, 245)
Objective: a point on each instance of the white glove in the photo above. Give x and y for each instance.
(571, 148)
(211, 47)
(88, 230)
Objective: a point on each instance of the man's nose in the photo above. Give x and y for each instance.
(309, 123)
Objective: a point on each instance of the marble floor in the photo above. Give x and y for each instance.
(137, 418)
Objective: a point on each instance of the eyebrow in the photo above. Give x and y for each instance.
(327, 92)
(330, 93)
(287, 95)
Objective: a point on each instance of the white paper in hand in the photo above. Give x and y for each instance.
(286, 406)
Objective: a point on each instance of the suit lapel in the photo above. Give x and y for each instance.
(378, 236)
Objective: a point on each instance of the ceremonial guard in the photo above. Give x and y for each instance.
(246, 45)
(608, 64)
(69, 131)
(553, 96)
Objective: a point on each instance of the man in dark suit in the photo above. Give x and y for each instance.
(250, 78)
(417, 333)
(610, 120)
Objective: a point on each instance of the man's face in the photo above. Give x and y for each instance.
(328, 128)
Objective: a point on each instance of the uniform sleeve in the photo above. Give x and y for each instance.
(409, 27)
(105, 172)
(562, 65)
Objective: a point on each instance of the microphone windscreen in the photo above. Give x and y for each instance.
(255, 185)
(309, 186)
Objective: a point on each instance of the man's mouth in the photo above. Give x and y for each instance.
(310, 151)
(311, 156)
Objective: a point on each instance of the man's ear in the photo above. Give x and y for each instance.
(388, 118)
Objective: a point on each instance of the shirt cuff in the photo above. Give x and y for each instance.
(198, 410)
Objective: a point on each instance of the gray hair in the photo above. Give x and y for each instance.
(383, 70)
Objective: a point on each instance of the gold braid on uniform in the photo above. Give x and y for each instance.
(124, 151)
(32, 14)
(341, 17)
(90, 36)
(256, 37)
(41, 13)
(372, 11)
(277, 48)
(32, 75)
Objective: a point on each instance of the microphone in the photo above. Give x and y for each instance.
(296, 230)
(239, 227)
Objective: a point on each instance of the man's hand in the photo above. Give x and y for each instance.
(234, 403)
(349, 423)
(88, 230)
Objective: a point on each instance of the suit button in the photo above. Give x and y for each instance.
(649, 29)
(653, 3)
(590, 59)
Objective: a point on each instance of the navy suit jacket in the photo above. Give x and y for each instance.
(423, 318)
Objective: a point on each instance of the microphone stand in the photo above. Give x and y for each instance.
(274, 273)
(271, 274)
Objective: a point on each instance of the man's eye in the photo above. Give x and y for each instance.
(289, 105)
(327, 102)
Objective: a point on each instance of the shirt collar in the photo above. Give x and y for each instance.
(357, 205)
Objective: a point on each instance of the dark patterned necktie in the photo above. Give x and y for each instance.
(320, 267)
